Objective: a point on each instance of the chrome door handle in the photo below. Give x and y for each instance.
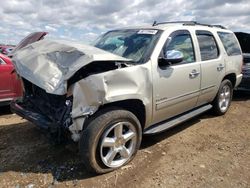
(194, 73)
(220, 67)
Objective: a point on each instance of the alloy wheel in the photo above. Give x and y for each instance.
(224, 98)
(118, 144)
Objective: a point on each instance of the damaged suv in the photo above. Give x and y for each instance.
(131, 82)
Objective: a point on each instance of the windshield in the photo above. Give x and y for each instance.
(131, 44)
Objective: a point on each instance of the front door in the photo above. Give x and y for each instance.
(176, 86)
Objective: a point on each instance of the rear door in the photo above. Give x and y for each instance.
(212, 65)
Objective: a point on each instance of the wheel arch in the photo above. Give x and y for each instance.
(135, 106)
(231, 77)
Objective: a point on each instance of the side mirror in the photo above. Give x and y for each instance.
(170, 57)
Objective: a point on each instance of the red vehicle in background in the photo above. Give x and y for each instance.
(10, 85)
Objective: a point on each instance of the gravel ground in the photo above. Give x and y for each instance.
(207, 151)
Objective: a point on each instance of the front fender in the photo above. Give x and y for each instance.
(90, 93)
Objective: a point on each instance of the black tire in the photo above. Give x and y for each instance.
(217, 109)
(92, 137)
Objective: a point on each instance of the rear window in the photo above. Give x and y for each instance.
(230, 43)
(208, 46)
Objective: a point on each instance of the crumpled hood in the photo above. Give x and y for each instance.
(49, 64)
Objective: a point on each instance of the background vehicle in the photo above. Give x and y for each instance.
(133, 81)
(245, 83)
(244, 39)
(29, 39)
(10, 84)
(4, 49)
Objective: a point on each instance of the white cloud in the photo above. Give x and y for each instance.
(83, 20)
(50, 28)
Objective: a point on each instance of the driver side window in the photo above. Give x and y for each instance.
(180, 41)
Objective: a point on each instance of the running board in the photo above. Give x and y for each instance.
(162, 126)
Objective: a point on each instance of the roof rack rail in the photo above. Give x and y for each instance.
(181, 22)
(220, 26)
(188, 23)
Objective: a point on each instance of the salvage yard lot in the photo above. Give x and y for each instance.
(207, 151)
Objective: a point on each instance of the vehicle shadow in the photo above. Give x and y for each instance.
(150, 140)
(241, 95)
(24, 149)
(5, 110)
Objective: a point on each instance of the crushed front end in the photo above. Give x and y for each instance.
(58, 91)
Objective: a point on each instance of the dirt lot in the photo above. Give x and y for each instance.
(207, 151)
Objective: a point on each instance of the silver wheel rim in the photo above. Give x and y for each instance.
(118, 144)
(225, 97)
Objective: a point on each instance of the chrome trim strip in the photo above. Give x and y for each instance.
(2, 91)
(6, 99)
(174, 98)
(202, 89)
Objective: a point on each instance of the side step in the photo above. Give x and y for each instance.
(162, 126)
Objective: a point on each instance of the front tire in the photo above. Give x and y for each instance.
(110, 140)
(223, 98)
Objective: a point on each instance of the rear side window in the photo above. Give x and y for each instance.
(230, 43)
(208, 47)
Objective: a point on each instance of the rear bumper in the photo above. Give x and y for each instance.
(238, 80)
(36, 118)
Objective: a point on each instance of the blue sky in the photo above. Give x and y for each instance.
(84, 20)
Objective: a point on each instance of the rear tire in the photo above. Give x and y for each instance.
(223, 98)
(110, 140)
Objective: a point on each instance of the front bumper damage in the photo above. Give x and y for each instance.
(57, 115)
(40, 120)
(57, 129)
(53, 129)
